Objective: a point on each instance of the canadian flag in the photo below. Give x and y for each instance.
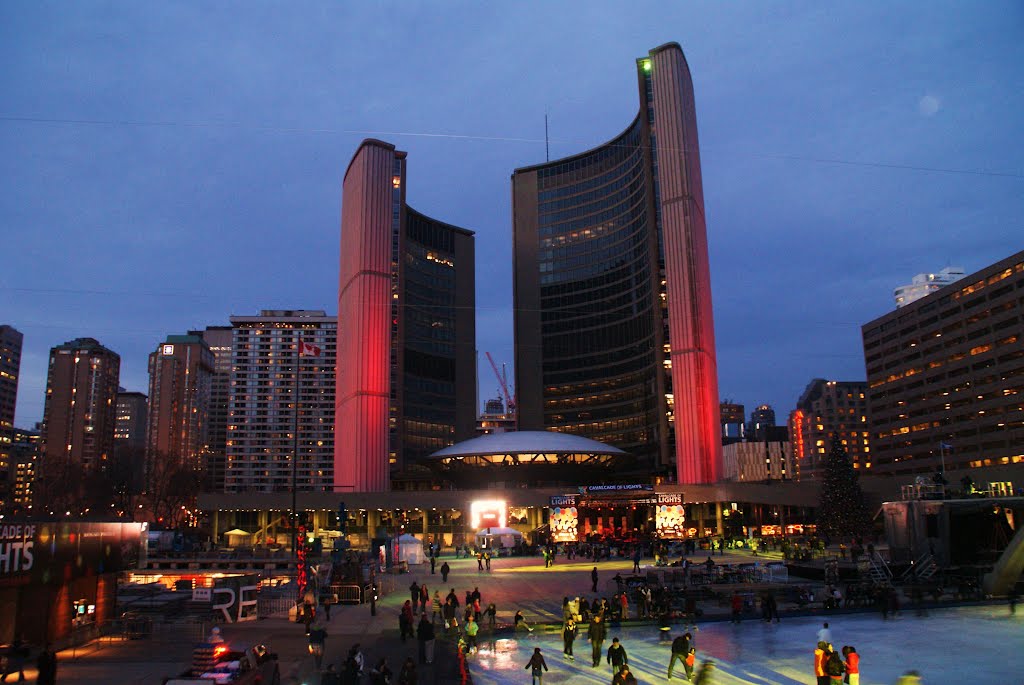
(308, 349)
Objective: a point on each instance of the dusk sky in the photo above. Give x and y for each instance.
(166, 165)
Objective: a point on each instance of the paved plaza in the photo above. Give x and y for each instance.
(978, 644)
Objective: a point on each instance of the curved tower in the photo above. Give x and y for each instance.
(406, 367)
(613, 320)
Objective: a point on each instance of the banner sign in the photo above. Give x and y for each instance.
(563, 519)
(627, 487)
(670, 517)
(58, 552)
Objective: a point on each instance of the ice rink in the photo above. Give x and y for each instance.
(978, 645)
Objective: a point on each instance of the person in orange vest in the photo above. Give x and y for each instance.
(820, 657)
(852, 665)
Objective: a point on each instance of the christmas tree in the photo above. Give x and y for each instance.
(842, 512)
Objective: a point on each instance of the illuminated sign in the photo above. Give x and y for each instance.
(626, 487)
(168, 350)
(670, 517)
(563, 519)
(488, 513)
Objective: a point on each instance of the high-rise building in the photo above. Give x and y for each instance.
(276, 356)
(219, 340)
(180, 373)
(130, 424)
(761, 419)
(732, 416)
(614, 331)
(407, 360)
(79, 415)
(130, 440)
(757, 460)
(946, 376)
(829, 410)
(24, 455)
(10, 366)
(923, 285)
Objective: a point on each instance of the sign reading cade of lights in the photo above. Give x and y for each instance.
(488, 513)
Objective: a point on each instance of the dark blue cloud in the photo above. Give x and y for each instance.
(209, 182)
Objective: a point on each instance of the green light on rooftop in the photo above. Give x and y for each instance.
(647, 65)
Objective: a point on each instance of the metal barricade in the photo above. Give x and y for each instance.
(348, 594)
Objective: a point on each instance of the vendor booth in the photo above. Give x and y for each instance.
(489, 538)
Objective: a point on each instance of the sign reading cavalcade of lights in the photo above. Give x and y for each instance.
(563, 515)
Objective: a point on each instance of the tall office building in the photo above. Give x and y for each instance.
(79, 415)
(269, 371)
(180, 373)
(827, 410)
(923, 285)
(946, 376)
(10, 366)
(24, 455)
(219, 340)
(406, 294)
(614, 330)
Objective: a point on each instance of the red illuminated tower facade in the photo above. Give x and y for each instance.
(406, 368)
(614, 329)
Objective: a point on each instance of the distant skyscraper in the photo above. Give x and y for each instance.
(262, 409)
(180, 373)
(614, 328)
(24, 455)
(406, 297)
(219, 340)
(10, 367)
(923, 285)
(827, 410)
(732, 416)
(79, 415)
(130, 439)
(761, 419)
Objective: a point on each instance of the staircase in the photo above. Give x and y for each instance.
(878, 571)
(923, 569)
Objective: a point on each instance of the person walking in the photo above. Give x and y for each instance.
(568, 637)
(46, 662)
(445, 570)
(424, 598)
(405, 622)
(433, 563)
(436, 606)
(425, 637)
(737, 606)
(487, 561)
(636, 560)
(472, 628)
(852, 665)
(682, 650)
(593, 580)
(624, 605)
(492, 616)
(773, 607)
(820, 657)
(414, 595)
(407, 676)
(835, 669)
(307, 615)
(538, 666)
(596, 633)
(824, 634)
(381, 673)
(317, 638)
(617, 655)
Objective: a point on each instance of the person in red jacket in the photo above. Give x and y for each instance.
(852, 665)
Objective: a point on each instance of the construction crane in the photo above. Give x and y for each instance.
(510, 403)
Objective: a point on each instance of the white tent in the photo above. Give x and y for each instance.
(498, 537)
(408, 549)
